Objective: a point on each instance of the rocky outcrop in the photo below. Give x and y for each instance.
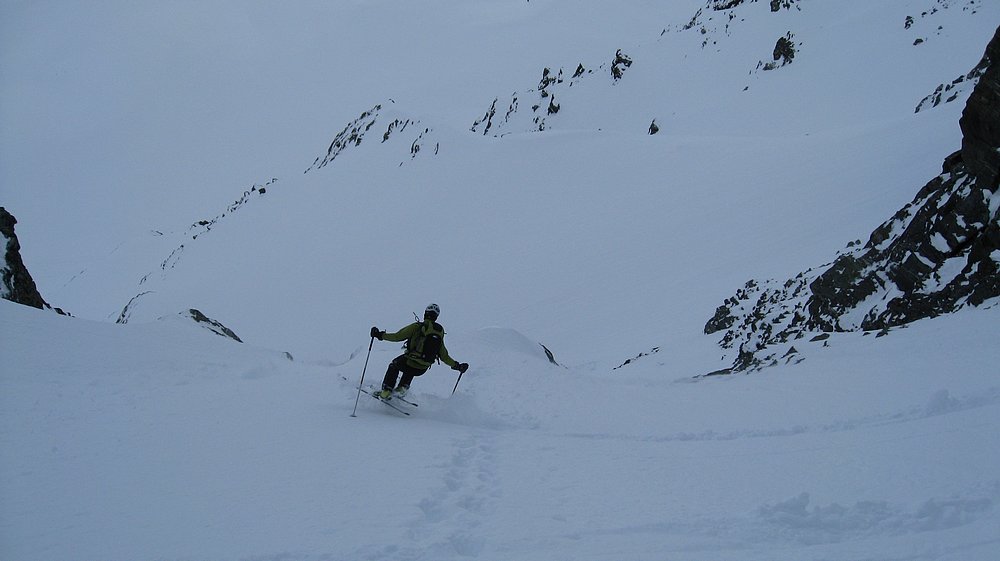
(779, 4)
(211, 324)
(621, 63)
(718, 18)
(784, 49)
(939, 253)
(783, 53)
(980, 121)
(386, 126)
(947, 93)
(720, 5)
(16, 283)
(542, 99)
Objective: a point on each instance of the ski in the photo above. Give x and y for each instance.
(396, 397)
(404, 400)
(370, 389)
(387, 402)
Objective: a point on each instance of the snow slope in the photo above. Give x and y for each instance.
(160, 440)
(165, 441)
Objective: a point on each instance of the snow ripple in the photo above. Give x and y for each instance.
(939, 403)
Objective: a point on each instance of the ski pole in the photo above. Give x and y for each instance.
(457, 381)
(362, 382)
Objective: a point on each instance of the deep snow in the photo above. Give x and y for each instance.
(161, 440)
(165, 441)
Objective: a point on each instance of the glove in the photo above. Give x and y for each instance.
(461, 367)
(377, 334)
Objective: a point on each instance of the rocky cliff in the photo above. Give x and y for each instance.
(938, 254)
(16, 283)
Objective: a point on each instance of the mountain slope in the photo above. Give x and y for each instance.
(937, 254)
(745, 177)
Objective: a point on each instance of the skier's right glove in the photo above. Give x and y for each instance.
(376, 334)
(461, 367)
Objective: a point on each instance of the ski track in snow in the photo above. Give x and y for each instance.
(940, 403)
(456, 480)
(799, 521)
(451, 518)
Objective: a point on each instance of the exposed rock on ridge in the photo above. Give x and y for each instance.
(196, 230)
(980, 121)
(936, 255)
(17, 284)
(357, 130)
(542, 99)
(211, 324)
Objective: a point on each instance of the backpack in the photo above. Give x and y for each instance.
(426, 344)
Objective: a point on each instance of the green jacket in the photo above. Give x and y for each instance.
(412, 332)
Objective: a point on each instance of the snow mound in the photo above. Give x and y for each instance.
(505, 340)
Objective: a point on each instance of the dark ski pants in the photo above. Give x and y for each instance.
(398, 365)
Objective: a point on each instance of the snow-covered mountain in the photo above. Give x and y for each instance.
(603, 187)
(577, 234)
(936, 255)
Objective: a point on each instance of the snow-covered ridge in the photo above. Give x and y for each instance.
(148, 282)
(633, 88)
(542, 101)
(398, 131)
(204, 226)
(388, 125)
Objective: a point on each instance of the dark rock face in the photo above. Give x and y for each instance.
(211, 324)
(939, 253)
(17, 284)
(948, 225)
(782, 55)
(936, 253)
(784, 49)
(776, 5)
(720, 5)
(541, 100)
(357, 130)
(980, 121)
(620, 64)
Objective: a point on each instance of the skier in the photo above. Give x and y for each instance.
(424, 345)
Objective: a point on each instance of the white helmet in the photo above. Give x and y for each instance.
(432, 309)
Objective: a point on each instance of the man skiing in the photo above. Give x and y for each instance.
(424, 345)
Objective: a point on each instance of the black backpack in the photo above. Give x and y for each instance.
(426, 345)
